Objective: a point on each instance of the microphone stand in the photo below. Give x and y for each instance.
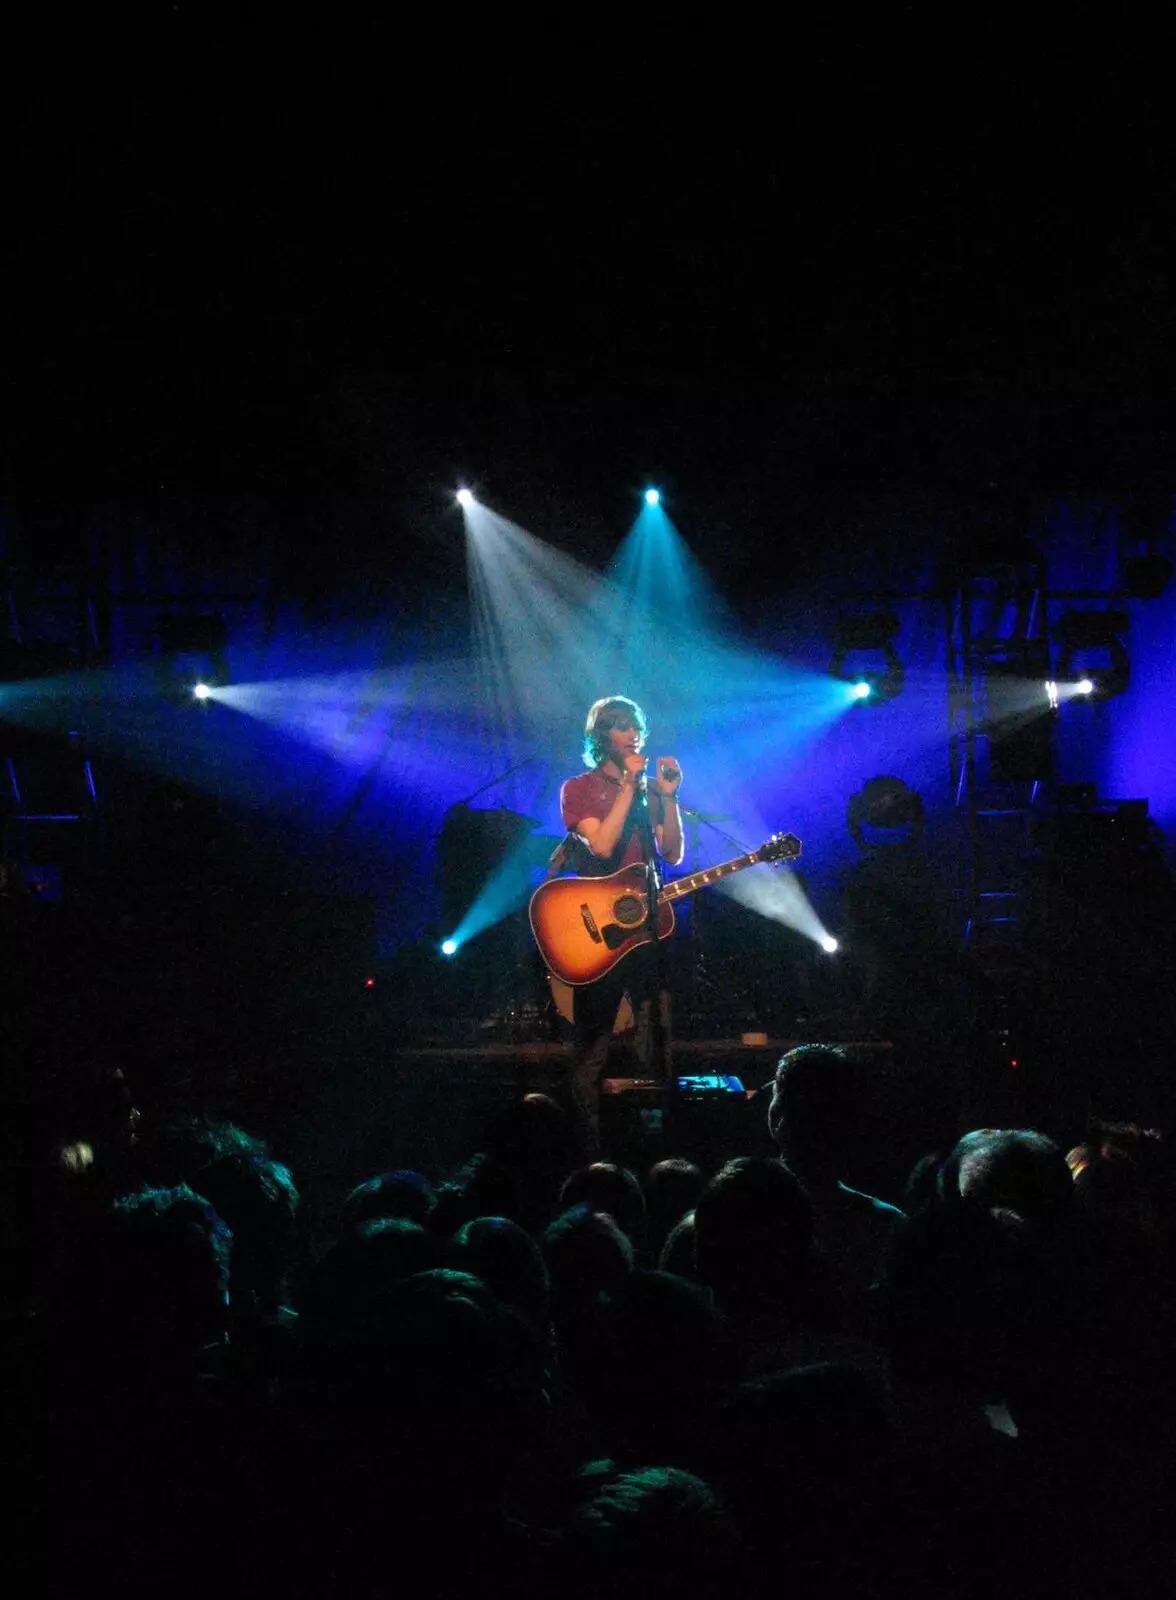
(707, 820)
(657, 1021)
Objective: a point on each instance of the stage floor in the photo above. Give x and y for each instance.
(752, 1047)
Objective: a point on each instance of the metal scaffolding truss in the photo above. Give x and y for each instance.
(1002, 705)
(49, 803)
(999, 753)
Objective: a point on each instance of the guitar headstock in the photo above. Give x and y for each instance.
(780, 847)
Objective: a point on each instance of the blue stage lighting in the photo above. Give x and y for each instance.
(465, 499)
(449, 947)
(1097, 634)
(865, 655)
(202, 691)
(652, 497)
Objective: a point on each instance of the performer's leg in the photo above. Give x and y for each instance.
(595, 1010)
(651, 1038)
(651, 1011)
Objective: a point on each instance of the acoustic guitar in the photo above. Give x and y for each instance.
(585, 926)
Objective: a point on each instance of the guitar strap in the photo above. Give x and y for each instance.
(565, 849)
(561, 855)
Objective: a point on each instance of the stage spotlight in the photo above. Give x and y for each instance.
(652, 497)
(859, 639)
(191, 649)
(465, 499)
(889, 809)
(76, 1157)
(1086, 633)
(449, 947)
(1084, 686)
(202, 691)
(829, 944)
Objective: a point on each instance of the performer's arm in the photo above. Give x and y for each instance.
(602, 834)
(669, 830)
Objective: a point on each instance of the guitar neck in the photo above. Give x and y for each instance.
(681, 887)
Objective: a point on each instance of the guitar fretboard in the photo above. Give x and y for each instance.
(685, 886)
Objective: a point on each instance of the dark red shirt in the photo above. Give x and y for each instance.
(592, 795)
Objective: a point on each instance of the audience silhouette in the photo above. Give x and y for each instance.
(530, 1375)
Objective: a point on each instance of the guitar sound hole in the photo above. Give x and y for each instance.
(629, 911)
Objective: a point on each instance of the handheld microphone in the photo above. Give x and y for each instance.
(669, 772)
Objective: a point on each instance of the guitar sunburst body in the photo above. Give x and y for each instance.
(584, 926)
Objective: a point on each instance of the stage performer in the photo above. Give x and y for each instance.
(617, 817)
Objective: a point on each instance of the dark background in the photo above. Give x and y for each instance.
(867, 257)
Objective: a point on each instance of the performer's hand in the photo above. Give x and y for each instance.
(669, 775)
(635, 765)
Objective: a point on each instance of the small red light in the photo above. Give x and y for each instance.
(1014, 1062)
(370, 983)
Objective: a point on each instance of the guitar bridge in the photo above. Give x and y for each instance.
(590, 924)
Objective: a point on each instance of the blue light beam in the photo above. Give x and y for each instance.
(506, 890)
